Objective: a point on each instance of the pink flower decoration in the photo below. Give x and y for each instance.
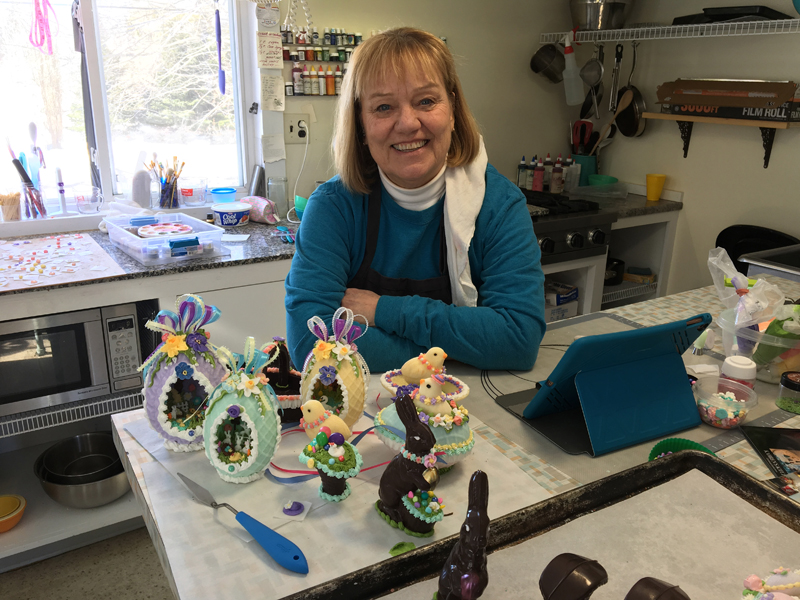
(753, 583)
(430, 461)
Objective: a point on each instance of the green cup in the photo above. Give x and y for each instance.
(300, 206)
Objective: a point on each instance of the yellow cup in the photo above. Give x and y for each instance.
(655, 185)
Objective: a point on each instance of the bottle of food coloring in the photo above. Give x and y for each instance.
(529, 173)
(297, 79)
(338, 81)
(323, 87)
(314, 82)
(306, 81)
(557, 178)
(548, 169)
(326, 36)
(330, 83)
(521, 175)
(538, 177)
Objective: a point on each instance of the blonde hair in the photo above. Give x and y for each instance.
(394, 51)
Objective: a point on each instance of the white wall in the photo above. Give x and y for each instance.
(519, 112)
(723, 178)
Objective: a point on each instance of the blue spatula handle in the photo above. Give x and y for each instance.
(285, 553)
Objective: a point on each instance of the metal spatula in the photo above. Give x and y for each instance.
(285, 553)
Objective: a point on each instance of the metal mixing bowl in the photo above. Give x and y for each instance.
(594, 15)
(85, 495)
(84, 458)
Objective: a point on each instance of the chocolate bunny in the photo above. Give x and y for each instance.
(404, 475)
(464, 575)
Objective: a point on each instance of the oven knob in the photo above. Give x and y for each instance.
(575, 240)
(597, 236)
(547, 245)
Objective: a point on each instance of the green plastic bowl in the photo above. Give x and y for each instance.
(676, 445)
(602, 180)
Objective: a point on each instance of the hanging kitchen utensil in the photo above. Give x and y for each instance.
(630, 121)
(612, 105)
(592, 75)
(623, 103)
(588, 103)
(218, 31)
(548, 61)
(283, 551)
(600, 88)
(581, 131)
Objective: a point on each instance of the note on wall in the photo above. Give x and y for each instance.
(270, 50)
(272, 93)
(272, 148)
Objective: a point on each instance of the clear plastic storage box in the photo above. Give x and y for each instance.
(204, 241)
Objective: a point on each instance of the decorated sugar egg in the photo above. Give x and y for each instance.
(181, 373)
(335, 374)
(242, 428)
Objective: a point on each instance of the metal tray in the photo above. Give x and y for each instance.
(426, 562)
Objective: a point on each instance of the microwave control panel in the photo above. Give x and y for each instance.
(123, 351)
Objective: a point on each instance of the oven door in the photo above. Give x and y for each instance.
(51, 360)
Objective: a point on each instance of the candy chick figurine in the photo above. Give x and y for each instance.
(316, 417)
(424, 365)
(430, 399)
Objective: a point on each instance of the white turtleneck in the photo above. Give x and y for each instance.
(419, 198)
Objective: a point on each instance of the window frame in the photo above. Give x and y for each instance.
(243, 84)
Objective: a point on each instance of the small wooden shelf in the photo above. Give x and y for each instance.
(686, 124)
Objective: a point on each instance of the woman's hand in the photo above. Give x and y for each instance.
(361, 302)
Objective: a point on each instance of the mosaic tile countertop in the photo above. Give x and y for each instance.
(262, 246)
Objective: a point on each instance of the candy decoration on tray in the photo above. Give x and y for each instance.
(408, 476)
(242, 428)
(781, 584)
(334, 372)
(163, 229)
(181, 372)
(335, 460)
(284, 379)
(464, 575)
(435, 407)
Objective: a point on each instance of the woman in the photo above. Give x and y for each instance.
(417, 233)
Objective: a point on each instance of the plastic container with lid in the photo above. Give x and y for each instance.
(719, 411)
(740, 369)
(789, 392)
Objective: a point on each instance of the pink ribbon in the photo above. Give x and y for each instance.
(40, 28)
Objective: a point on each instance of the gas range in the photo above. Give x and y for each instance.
(572, 229)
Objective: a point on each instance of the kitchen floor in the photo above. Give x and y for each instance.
(125, 567)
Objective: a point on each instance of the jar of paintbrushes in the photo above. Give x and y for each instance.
(164, 189)
(10, 206)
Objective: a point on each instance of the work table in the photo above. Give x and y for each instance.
(549, 469)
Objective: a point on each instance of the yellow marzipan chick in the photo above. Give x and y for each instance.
(312, 411)
(424, 365)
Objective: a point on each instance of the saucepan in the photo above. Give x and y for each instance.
(630, 121)
(548, 62)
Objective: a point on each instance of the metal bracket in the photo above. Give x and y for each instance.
(253, 108)
(767, 138)
(686, 135)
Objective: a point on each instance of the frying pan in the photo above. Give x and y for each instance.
(630, 122)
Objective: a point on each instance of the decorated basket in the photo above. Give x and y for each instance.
(242, 428)
(181, 373)
(284, 379)
(335, 373)
(335, 460)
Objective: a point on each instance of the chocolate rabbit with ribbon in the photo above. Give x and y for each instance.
(181, 372)
(334, 373)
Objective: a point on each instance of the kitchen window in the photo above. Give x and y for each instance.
(149, 83)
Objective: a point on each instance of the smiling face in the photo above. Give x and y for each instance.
(408, 122)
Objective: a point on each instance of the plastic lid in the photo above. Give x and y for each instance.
(739, 367)
(791, 380)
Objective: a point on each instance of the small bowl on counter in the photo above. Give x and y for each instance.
(223, 194)
(83, 480)
(231, 214)
(12, 508)
(723, 403)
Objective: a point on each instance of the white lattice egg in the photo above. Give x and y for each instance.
(340, 384)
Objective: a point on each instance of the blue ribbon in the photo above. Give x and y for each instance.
(285, 426)
(289, 480)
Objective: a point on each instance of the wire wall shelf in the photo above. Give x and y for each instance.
(82, 410)
(679, 32)
(628, 290)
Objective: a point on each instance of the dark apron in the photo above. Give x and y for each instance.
(367, 278)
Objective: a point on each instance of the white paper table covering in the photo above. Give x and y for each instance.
(208, 560)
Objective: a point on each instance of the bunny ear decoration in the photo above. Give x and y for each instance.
(166, 321)
(317, 327)
(227, 357)
(345, 328)
(194, 313)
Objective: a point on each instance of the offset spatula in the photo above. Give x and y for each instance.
(285, 553)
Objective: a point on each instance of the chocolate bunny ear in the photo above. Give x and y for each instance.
(406, 410)
(419, 437)
(479, 492)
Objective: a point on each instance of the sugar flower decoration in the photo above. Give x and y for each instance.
(174, 345)
(247, 385)
(424, 417)
(430, 461)
(327, 375)
(342, 351)
(322, 350)
(184, 371)
(197, 342)
(263, 379)
(438, 421)
(233, 411)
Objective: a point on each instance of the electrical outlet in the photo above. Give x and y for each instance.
(292, 132)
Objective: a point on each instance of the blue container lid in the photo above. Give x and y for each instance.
(224, 190)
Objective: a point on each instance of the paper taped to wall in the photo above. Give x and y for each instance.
(272, 147)
(270, 50)
(272, 93)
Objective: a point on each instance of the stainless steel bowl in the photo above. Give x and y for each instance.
(549, 62)
(86, 495)
(594, 15)
(84, 458)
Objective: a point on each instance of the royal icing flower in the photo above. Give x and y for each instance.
(327, 375)
(342, 351)
(322, 350)
(424, 417)
(429, 461)
(457, 419)
(184, 371)
(174, 345)
(263, 379)
(754, 583)
(247, 385)
(197, 342)
(438, 421)
(434, 506)
(234, 411)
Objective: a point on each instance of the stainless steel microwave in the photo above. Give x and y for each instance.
(61, 358)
